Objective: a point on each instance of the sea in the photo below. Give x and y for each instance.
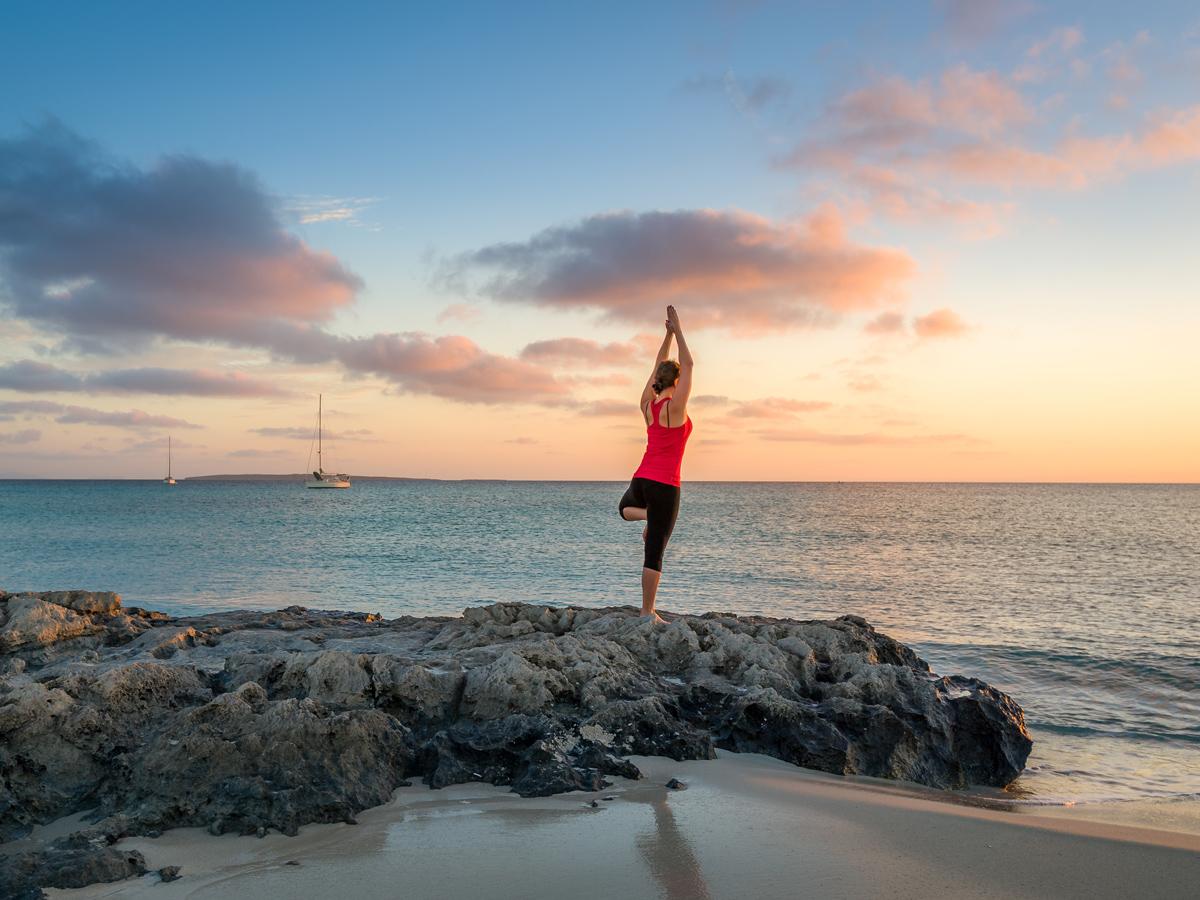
(1081, 601)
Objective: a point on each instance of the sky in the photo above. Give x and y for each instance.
(952, 241)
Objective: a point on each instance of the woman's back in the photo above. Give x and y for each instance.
(663, 459)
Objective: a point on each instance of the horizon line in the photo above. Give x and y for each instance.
(249, 476)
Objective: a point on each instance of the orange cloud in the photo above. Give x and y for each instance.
(939, 323)
(732, 270)
(776, 408)
(581, 352)
(885, 323)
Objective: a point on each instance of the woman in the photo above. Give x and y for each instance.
(653, 494)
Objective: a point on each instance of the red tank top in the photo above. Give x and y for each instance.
(664, 448)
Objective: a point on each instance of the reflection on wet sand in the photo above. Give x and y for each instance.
(669, 855)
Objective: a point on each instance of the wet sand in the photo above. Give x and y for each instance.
(746, 826)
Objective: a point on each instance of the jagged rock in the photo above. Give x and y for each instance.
(66, 863)
(169, 873)
(247, 721)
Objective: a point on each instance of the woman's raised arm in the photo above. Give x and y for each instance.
(683, 390)
(663, 352)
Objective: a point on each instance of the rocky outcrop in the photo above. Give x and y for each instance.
(246, 721)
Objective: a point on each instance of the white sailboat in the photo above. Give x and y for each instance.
(168, 479)
(320, 478)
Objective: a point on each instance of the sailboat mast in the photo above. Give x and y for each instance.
(320, 467)
(168, 456)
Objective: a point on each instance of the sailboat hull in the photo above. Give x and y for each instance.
(327, 484)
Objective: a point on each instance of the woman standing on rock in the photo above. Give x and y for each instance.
(653, 494)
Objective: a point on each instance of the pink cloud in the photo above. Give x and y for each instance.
(885, 323)
(908, 149)
(1060, 40)
(976, 20)
(571, 351)
(134, 418)
(449, 366)
(459, 312)
(31, 376)
(906, 197)
(732, 270)
(865, 383)
(612, 408)
(939, 323)
(776, 408)
(979, 103)
(86, 415)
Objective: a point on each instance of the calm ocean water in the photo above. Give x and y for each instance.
(1082, 601)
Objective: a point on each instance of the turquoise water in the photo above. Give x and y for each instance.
(1083, 601)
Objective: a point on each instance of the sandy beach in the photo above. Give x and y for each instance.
(745, 826)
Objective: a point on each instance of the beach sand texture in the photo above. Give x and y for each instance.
(746, 826)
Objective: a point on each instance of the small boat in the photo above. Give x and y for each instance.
(168, 479)
(321, 478)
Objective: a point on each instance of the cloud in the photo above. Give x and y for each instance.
(581, 352)
(733, 270)
(253, 453)
(318, 210)
(310, 433)
(133, 418)
(910, 198)
(86, 415)
(776, 408)
(610, 408)
(748, 95)
(939, 323)
(894, 112)
(29, 407)
(855, 439)
(890, 140)
(198, 383)
(449, 366)
(31, 376)
(523, 441)
(1061, 40)
(161, 443)
(459, 312)
(865, 383)
(969, 21)
(885, 323)
(28, 436)
(702, 400)
(111, 254)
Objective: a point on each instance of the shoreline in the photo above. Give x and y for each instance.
(746, 825)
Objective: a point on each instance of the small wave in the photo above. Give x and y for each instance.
(1186, 737)
(1096, 800)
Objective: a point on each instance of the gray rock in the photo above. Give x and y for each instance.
(246, 721)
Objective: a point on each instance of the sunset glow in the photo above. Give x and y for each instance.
(966, 254)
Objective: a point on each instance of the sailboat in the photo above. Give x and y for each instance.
(168, 479)
(321, 478)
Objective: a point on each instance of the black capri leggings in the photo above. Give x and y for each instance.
(661, 502)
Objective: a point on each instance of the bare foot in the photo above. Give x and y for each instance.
(654, 617)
